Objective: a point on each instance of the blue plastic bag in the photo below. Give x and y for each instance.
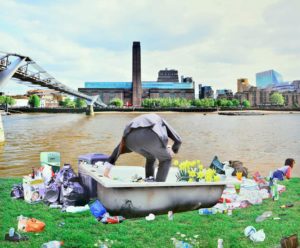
(97, 209)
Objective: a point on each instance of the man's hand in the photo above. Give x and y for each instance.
(106, 172)
(107, 169)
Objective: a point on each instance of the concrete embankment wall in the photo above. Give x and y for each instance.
(193, 109)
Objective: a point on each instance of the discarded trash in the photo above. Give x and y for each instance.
(264, 216)
(237, 187)
(259, 236)
(30, 224)
(274, 190)
(17, 191)
(220, 243)
(276, 218)
(53, 244)
(61, 224)
(245, 204)
(112, 219)
(14, 236)
(255, 236)
(170, 215)
(97, 209)
(290, 242)
(181, 244)
(229, 212)
(249, 230)
(289, 205)
(55, 206)
(207, 211)
(73, 209)
(150, 217)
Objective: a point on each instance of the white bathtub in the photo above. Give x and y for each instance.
(133, 199)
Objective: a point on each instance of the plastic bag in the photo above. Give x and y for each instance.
(73, 194)
(97, 209)
(217, 165)
(30, 224)
(17, 191)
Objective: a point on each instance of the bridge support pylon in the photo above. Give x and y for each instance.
(2, 137)
(90, 110)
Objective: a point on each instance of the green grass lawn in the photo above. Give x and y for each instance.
(82, 230)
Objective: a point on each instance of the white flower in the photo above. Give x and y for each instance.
(182, 235)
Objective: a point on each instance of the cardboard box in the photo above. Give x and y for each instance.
(34, 189)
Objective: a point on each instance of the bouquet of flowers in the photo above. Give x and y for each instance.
(194, 171)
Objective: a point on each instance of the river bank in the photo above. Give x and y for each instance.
(132, 109)
(82, 230)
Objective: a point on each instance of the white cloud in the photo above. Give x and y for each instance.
(215, 42)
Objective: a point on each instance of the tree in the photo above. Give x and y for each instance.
(34, 101)
(246, 103)
(7, 100)
(277, 99)
(235, 102)
(116, 102)
(80, 103)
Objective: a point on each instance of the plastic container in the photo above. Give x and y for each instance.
(92, 158)
(52, 244)
(50, 158)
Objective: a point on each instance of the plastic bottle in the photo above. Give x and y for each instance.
(207, 211)
(11, 232)
(220, 243)
(276, 195)
(181, 244)
(53, 244)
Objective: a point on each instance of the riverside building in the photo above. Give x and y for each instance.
(132, 93)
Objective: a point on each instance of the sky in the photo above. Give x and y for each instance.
(214, 41)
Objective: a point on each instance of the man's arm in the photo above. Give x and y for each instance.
(174, 136)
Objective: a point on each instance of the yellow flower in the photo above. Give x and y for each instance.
(175, 163)
(191, 180)
(208, 178)
(192, 173)
(200, 174)
(217, 178)
(200, 167)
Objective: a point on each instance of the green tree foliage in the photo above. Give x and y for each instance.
(116, 102)
(67, 103)
(277, 98)
(7, 100)
(205, 103)
(246, 103)
(34, 101)
(80, 103)
(235, 102)
(165, 102)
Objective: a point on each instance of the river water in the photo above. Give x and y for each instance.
(261, 142)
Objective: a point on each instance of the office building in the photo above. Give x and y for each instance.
(242, 84)
(268, 78)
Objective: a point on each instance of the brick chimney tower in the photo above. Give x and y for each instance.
(136, 75)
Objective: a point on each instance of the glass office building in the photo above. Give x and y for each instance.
(268, 78)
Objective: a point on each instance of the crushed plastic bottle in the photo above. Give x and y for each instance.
(53, 244)
(181, 244)
(207, 211)
(220, 243)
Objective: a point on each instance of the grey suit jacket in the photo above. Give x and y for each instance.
(157, 124)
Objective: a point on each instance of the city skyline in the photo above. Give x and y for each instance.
(213, 42)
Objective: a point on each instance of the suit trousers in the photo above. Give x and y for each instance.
(147, 143)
